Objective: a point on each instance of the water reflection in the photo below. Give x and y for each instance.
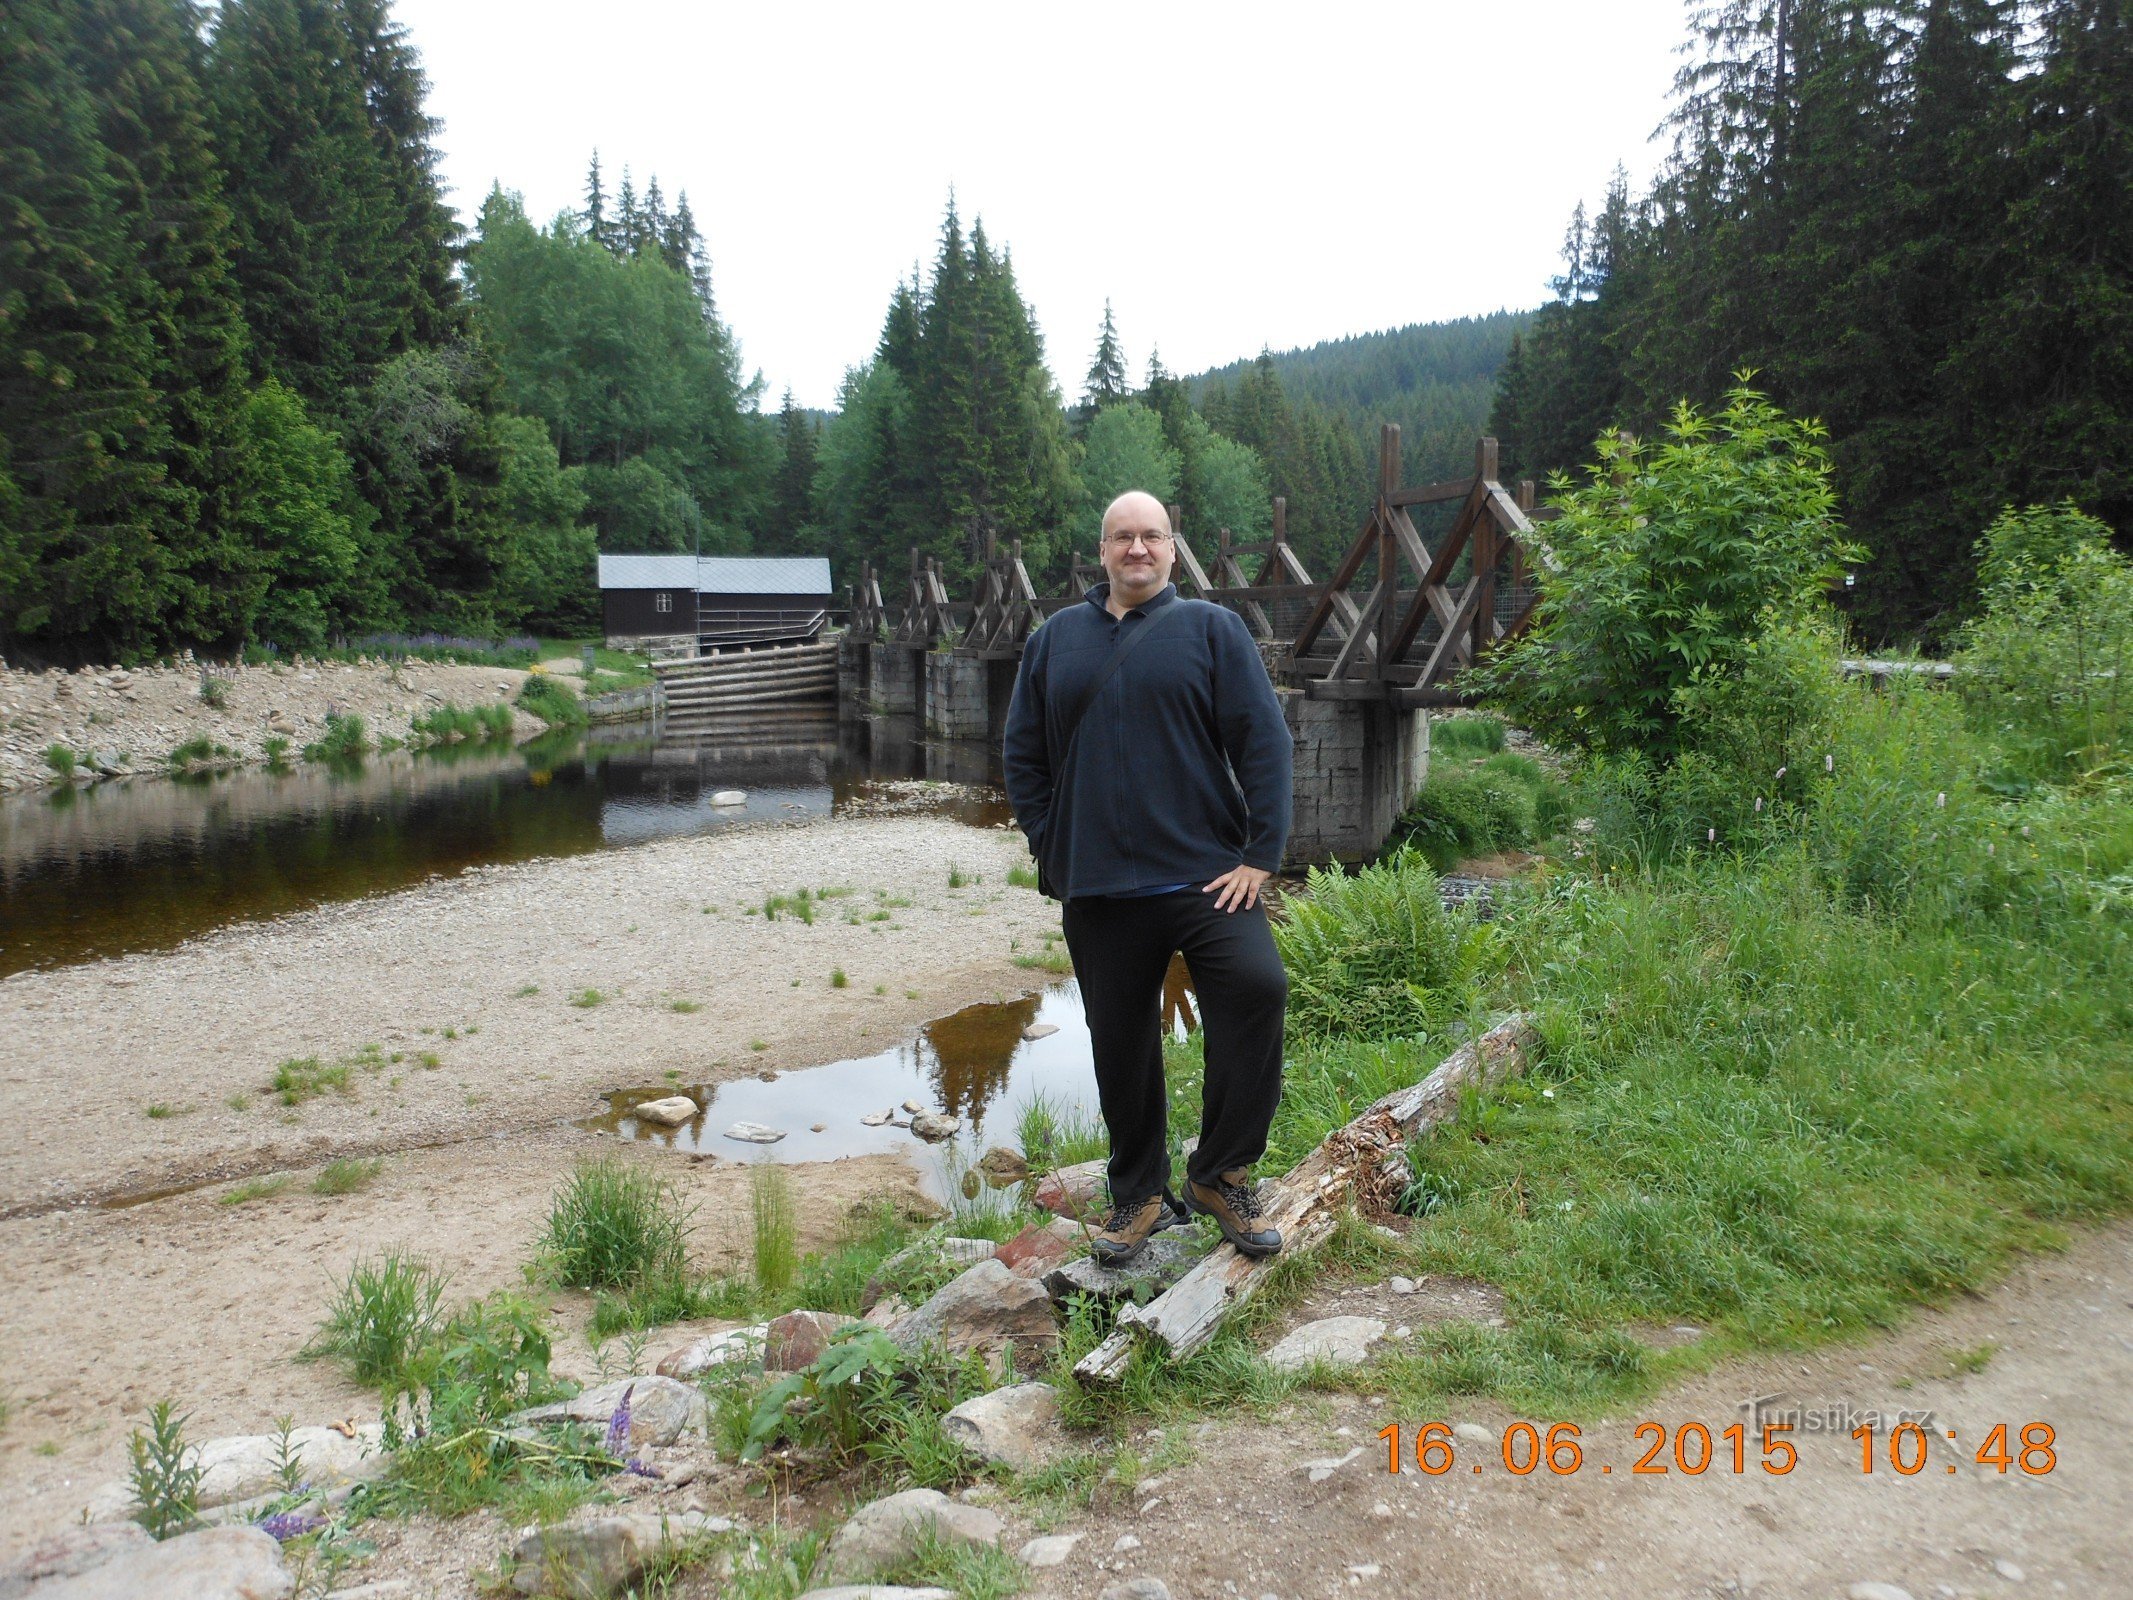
(145, 863)
(973, 1062)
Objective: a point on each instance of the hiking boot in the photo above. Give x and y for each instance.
(1231, 1201)
(1131, 1224)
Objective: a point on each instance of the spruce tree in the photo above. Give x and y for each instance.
(597, 226)
(792, 520)
(1106, 381)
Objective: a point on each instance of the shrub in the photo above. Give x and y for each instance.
(199, 751)
(2045, 667)
(1671, 563)
(380, 1316)
(615, 1223)
(276, 749)
(1459, 814)
(61, 760)
(1373, 955)
(165, 1475)
(454, 724)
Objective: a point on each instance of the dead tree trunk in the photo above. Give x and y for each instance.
(1366, 1160)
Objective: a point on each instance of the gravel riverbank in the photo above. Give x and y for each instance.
(131, 720)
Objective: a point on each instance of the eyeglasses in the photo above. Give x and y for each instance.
(1126, 541)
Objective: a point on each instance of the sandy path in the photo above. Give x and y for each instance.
(2061, 1352)
(441, 971)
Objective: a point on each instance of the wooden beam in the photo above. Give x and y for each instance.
(1433, 494)
(1362, 1162)
(1343, 575)
(1347, 689)
(1454, 642)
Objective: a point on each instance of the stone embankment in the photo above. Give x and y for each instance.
(116, 721)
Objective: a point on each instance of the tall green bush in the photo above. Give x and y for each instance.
(1673, 568)
(2044, 668)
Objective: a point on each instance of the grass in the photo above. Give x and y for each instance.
(957, 878)
(345, 739)
(687, 1008)
(459, 724)
(304, 1078)
(158, 1111)
(199, 751)
(347, 1175)
(61, 759)
(799, 904)
(838, 980)
(776, 1228)
(380, 1316)
(586, 999)
(1054, 957)
(275, 747)
(614, 1223)
(552, 701)
(242, 1194)
(525, 989)
(1022, 877)
(1051, 1135)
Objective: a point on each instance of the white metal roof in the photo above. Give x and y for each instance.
(647, 572)
(719, 574)
(764, 575)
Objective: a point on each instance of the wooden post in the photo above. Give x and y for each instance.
(1388, 548)
(1487, 553)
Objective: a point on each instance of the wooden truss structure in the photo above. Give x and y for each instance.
(1428, 613)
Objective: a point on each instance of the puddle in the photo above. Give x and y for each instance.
(973, 1063)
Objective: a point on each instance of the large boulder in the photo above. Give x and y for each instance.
(212, 1564)
(597, 1551)
(661, 1409)
(984, 1309)
(1017, 1426)
(888, 1531)
(796, 1339)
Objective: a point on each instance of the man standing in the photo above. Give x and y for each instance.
(1148, 762)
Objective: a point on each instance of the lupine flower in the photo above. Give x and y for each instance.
(286, 1525)
(618, 1425)
(641, 1469)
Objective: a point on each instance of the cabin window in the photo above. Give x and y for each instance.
(662, 601)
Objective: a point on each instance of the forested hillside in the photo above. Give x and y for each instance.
(1916, 224)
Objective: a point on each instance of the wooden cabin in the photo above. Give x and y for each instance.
(672, 606)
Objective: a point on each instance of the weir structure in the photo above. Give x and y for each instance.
(1358, 660)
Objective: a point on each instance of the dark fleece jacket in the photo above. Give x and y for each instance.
(1150, 799)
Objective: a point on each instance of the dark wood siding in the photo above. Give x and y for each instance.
(635, 612)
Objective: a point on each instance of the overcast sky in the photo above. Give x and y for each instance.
(1229, 175)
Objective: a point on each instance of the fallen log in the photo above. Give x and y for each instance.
(1365, 1159)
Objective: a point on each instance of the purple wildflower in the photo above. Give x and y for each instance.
(618, 1425)
(641, 1469)
(286, 1525)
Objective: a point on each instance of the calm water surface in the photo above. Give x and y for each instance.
(145, 863)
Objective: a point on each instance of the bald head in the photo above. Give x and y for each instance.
(1136, 549)
(1137, 509)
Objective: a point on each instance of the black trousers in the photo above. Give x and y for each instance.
(1121, 949)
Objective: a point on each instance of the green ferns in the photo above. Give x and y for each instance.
(1373, 956)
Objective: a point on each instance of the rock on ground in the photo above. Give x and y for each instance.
(1337, 1341)
(877, 1591)
(70, 1551)
(887, 1531)
(244, 1466)
(1032, 1252)
(1017, 1426)
(213, 1564)
(984, 1310)
(744, 1345)
(1137, 1589)
(661, 1409)
(1050, 1550)
(596, 1552)
(1160, 1262)
(794, 1340)
(669, 1111)
(1076, 1191)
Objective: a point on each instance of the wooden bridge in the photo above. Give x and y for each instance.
(1358, 658)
